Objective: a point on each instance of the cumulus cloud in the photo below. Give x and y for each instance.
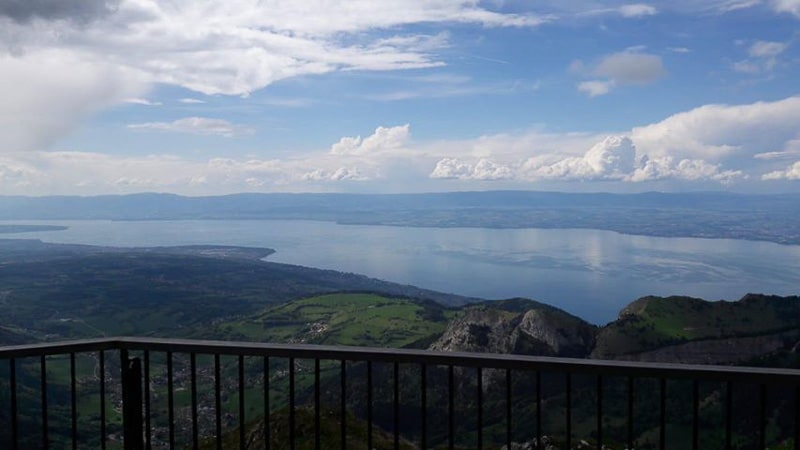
(717, 143)
(790, 173)
(613, 158)
(197, 125)
(384, 138)
(719, 132)
(632, 66)
(482, 169)
(685, 169)
(340, 174)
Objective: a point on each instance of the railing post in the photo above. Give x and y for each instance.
(131, 375)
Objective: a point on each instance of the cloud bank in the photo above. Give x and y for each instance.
(107, 51)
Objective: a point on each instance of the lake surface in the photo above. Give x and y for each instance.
(590, 273)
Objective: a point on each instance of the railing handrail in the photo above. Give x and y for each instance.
(428, 357)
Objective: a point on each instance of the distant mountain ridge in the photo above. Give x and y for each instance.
(772, 218)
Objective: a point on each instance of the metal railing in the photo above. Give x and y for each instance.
(230, 394)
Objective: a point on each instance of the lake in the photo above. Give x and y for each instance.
(589, 273)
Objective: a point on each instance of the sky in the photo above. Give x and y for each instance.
(201, 97)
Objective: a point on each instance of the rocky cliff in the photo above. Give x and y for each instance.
(657, 329)
(520, 327)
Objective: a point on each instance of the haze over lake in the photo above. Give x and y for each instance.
(589, 273)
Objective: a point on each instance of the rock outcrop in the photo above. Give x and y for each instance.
(519, 328)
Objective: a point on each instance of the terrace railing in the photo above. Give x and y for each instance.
(143, 393)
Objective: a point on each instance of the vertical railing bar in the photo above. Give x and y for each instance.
(569, 410)
(480, 408)
(508, 408)
(217, 402)
(170, 402)
(423, 405)
(662, 429)
(797, 418)
(396, 406)
(102, 357)
(193, 381)
(291, 405)
(73, 401)
(43, 380)
(763, 415)
(317, 431)
(538, 410)
(241, 402)
(343, 403)
(728, 415)
(147, 432)
(266, 403)
(599, 412)
(451, 410)
(369, 404)
(630, 412)
(12, 368)
(695, 415)
(131, 385)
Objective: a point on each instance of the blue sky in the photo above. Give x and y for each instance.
(210, 97)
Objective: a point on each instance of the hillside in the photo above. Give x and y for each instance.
(63, 292)
(342, 319)
(57, 292)
(691, 330)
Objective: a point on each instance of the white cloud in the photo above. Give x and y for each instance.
(787, 6)
(679, 49)
(712, 143)
(141, 101)
(482, 169)
(197, 125)
(763, 57)
(686, 169)
(637, 10)
(790, 150)
(722, 132)
(613, 158)
(340, 174)
(191, 101)
(631, 66)
(747, 66)
(104, 52)
(596, 87)
(766, 49)
(790, 173)
(726, 6)
(38, 107)
(384, 138)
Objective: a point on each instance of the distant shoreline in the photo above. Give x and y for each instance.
(11, 229)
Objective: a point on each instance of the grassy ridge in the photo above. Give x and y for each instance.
(654, 322)
(342, 319)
